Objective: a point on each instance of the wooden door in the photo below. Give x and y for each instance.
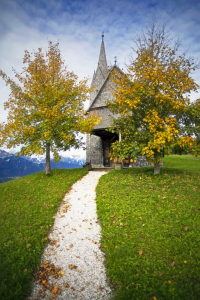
(126, 162)
(106, 152)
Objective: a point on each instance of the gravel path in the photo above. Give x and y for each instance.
(74, 246)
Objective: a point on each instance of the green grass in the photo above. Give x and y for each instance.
(158, 215)
(27, 208)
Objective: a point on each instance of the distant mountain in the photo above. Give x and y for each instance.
(12, 166)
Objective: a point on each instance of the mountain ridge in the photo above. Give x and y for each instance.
(12, 166)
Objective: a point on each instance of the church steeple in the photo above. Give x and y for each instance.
(102, 64)
(101, 72)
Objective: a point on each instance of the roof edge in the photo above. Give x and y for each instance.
(114, 67)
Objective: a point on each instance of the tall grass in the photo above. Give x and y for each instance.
(27, 208)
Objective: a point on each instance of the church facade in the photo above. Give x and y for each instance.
(98, 143)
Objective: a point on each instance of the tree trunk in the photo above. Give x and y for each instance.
(48, 164)
(156, 169)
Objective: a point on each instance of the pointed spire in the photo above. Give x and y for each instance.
(101, 72)
(102, 64)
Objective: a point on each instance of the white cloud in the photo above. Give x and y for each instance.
(77, 25)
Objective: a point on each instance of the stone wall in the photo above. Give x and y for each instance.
(94, 151)
(140, 162)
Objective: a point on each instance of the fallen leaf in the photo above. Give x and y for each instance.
(71, 245)
(72, 267)
(185, 228)
(66, 285)
(160, 274)
(28, 245)
(140, 252)
(80, 271)
(172, 264)
(44, 282)
(67, 249)
(82, 289)
(137, 275)
(50, 287)
(55, 289)
(62, 272)
(99, 288)
(41, 293)
(72, 288)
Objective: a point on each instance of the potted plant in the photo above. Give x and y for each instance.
(118, 166)
(87, 166)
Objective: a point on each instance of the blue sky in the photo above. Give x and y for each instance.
(77, 26)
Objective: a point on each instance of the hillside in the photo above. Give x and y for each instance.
(12, 166)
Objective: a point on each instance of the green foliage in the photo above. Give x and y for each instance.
(27, 208)
(150, 230)
(152, 97)
(46, 107)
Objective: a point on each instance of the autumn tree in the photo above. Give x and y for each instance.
(190, 124)
(151, 97)
(46, 107)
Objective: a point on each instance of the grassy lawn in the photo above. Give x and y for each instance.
(150, 230)
(27, 208)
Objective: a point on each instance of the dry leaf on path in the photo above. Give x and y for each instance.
(140, 252)
(55, 289)
(41, 293)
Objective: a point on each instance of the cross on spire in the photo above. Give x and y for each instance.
(102, 36)
(115, 60)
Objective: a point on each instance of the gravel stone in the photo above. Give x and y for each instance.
(79, 231)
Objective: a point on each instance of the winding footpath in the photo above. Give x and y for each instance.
(74, 246)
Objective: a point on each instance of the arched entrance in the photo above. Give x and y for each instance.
(107, 139)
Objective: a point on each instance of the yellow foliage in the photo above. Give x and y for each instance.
(150, 98)
(47, 106)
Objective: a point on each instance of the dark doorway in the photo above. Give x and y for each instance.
(107, 138)
(106, 152)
